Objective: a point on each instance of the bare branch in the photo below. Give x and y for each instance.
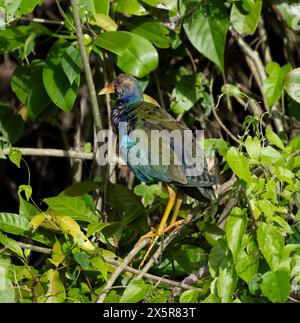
(48, 152)
(86, 66)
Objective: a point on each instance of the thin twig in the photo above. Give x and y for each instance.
(229, 206)
(161, 98)
(44, 21)
(181, 285)
(86, 66)
(48, 152)
(46, 251)
(139, 246)
(230, 134)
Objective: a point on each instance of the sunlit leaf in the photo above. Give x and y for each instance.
(135, 291)
(135, 54)
(206, 27)
(245, 15)
(276, 286)
(292, 84)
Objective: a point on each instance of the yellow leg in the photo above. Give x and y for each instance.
(161, 228)
(178, 203)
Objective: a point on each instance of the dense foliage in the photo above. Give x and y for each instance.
(229, 67)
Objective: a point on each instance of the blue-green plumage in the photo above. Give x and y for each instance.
(130, 108)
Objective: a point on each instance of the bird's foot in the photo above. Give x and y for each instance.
(174, 225)
(156, 235)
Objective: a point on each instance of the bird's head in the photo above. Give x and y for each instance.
(128, 89)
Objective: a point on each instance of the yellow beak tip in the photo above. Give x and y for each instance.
(109, 88)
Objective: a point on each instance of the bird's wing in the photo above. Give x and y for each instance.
(149, 118)
(181, 168)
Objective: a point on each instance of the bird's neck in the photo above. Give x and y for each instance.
(131, 98)
(123, 112)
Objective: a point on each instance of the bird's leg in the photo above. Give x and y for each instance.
(161, 228)
(173, 223)
(179, 199)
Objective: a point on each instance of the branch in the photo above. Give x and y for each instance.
(46, 251)
(48, 152)
(161, 248)
(180, 285)
(139, 246)
(86, 66)
(192, 279)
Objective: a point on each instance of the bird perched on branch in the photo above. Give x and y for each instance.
(138, 111)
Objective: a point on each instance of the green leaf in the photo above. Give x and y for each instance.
(55, 80)
(189, 296)
(7, 291)
(71, 227)
(11, 125)
(130, 7)
(218, 253)
(82, 259)
(276, 286)
(206, 27)
(12, 245)
(253, 147)
(96, 6)
(235, 229)
(284, 175)
(239, 164)
(135, 292)
(73, 207)
(13, 223)
(79, 189)
(150, 29)
(292, 84)
(135, 54)
(125, 206)
(56, 291)
(290, 11)
(27, 189)
(294, 144)
(189, 257)
(101, 265)
(269, 155)
(15, 156)
(213, 233)
(245, 15)
(71, 63)
(28, 85)
(247, 262)
(104, 21)
(271, 243)
(273, 84)
(57, 254)
(95, 227)
(226, 282)
(15, 37)
(274, 139)
(188, 90)
(27, 6)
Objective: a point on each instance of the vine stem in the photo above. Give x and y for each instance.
(86, 66)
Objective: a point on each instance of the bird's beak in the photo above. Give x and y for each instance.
(109, 88)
